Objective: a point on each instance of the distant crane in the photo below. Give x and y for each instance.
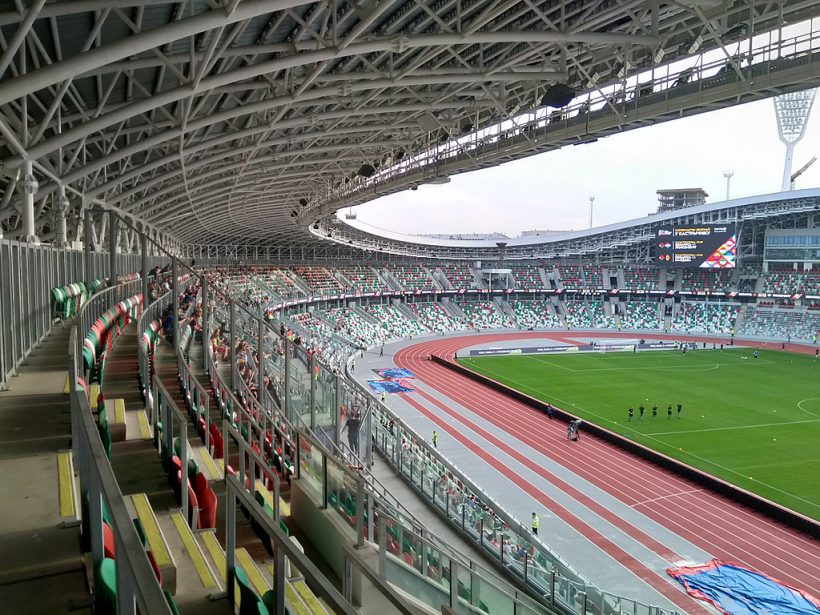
(800, 171)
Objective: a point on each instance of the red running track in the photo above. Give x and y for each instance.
(712, 522)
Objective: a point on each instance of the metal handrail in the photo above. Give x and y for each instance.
(137, 585)
(362, 527)
(374, 487)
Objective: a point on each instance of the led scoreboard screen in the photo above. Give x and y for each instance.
(706, 246)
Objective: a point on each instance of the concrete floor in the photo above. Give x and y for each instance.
(41, 564)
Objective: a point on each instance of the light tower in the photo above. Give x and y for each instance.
(591, 202)
(792, 111)
(728, 176)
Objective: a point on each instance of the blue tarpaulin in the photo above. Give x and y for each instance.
(388, 386)
(737, 590)
(395, 372)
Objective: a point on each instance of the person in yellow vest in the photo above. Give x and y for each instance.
(535, 524)
(435, 439)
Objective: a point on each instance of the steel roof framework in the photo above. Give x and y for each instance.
(211, 120)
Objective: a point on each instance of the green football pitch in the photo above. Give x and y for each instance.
(752, 422)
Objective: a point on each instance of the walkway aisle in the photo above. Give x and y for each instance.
(41, 564)
(139, 470)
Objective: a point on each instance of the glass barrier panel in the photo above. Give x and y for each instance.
(310, 466)
(341, 493)
(299, 385)
(324, 400)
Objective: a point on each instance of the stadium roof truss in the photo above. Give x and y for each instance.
(242, 122)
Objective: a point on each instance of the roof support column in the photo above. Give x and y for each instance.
(30, 186)
(61, 209)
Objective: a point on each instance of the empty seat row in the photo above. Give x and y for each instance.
(67, 300)
(103, 332)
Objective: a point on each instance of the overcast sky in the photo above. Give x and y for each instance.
(552, 190)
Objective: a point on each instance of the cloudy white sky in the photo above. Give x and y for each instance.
(551, 190)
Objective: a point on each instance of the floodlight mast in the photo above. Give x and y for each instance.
(792, 111)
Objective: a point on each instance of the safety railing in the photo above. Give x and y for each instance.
(334, 486)
(137, 588)
(330, 472)
(169, 421)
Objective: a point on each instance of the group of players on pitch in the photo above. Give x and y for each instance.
(642, 409)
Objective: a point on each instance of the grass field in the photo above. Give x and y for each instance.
(752, 422)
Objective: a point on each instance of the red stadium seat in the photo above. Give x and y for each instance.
(209, 504)
(109, 547)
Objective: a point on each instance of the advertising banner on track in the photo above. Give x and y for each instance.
(601, 346)
(490, 352)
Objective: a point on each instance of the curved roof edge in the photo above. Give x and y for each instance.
(537, 240)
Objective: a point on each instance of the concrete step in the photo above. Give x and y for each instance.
(158, 538)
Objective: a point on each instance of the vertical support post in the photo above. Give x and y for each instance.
(230, 542)
(183, 451)
(175, 299)
(232, 339)
(61, 210)
(312, 370)
(347, 581)
(146, 299)
(360, 513)
(424, 555)
(206, 333)
(30, 187)
(113, 232)
(279, 579)
(168, 428)
(369, 521)
(286, 409)
(324, 481)
(207, 433)
(260, 371)
(382, 547)
(337, 394)
(88, 241)
(453, 583)
(95, 519)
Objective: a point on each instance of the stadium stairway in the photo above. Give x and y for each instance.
(185, 570)
(40, 551)
(251, 554)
